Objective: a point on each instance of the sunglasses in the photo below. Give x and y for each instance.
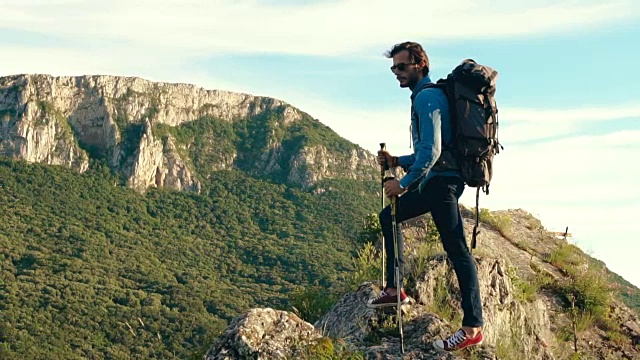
(401, 66)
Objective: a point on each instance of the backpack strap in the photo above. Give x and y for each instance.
(413, 96)
(474, 236)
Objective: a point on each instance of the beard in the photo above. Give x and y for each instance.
(407, 81)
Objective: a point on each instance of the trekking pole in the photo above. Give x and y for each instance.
(394, 226)
(383, 169)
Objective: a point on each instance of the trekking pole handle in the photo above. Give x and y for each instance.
(383, 147)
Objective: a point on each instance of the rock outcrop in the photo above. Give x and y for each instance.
(516, 326)
(69, 120)
(367, 330)
(316, 163)
(263, 334)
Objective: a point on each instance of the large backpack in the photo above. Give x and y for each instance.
(470, 89)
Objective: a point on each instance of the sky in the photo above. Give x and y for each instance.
(568, 90)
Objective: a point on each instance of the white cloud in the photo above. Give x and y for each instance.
(521, 124)
(60, 61)
(577, 171)
(585, 182)
(599, 113)
(322, 28)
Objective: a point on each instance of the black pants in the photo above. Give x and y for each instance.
(440, 197)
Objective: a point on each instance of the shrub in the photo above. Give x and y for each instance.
(565, 257)
(366, 265)
(592, 292)
(502, 223)
(526, 290)
(312, 302)
(328, 349)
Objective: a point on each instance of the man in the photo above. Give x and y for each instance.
(428, 187)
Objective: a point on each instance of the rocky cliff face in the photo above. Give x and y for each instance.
(356, 165)
(520, 323)
(69, 120)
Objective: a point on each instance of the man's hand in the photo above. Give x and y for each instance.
(392, 188)
(383, 156)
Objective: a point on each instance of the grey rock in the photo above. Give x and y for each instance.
(262, 334)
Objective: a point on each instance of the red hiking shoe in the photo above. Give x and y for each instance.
(385, 300)
(458, 341)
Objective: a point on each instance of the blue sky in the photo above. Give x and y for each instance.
(568, 92)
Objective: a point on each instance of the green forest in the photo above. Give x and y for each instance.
(90, 269)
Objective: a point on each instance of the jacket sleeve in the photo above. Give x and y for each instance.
(427, 150)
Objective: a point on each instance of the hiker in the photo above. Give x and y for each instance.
(425, 188)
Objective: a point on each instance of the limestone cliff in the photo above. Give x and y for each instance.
(524, 287)
(70, 120)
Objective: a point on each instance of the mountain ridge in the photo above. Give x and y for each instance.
(131, 124)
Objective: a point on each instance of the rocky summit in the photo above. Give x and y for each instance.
(525, 300)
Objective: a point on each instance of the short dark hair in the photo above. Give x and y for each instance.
(416, 52)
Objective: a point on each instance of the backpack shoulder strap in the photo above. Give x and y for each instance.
(440, 84)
